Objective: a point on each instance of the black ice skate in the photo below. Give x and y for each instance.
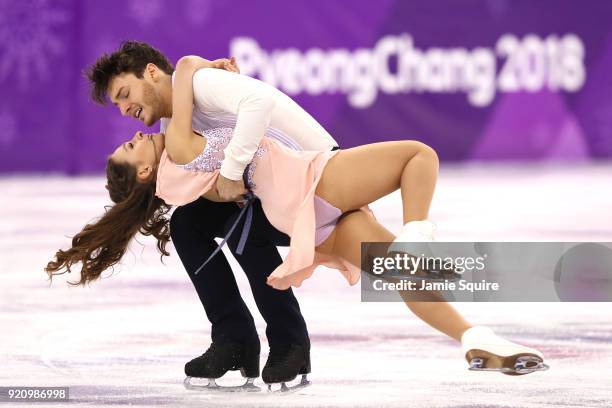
(486, 351)
(218, 360)
(284, 365)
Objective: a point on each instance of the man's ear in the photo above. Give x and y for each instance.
(152, 72)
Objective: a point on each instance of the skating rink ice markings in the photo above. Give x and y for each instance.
(124, 340)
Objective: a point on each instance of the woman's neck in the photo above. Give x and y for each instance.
(159, 145)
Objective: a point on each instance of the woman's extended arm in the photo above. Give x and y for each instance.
(181, 143)
(179, 133)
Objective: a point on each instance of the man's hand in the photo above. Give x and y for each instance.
(230, 190)
(226, 64)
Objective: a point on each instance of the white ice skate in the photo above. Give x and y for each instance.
(417, 231)
(413, 239)
(486, 351)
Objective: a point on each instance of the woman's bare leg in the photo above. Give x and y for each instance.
(361, 175)
(356, 177)
(359, 227)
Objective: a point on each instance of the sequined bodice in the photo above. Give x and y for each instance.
(212, 156)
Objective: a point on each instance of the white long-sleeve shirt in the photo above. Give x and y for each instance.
(253, 108)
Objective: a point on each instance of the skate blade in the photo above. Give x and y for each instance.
(211, 385)
(283, 388)
(518, 364)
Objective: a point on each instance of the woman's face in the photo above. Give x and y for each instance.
(142, 152)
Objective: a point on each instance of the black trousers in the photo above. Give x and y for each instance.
(193, 228)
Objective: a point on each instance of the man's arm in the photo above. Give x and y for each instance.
(250, 100)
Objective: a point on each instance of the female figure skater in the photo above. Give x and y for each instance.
(314, 197)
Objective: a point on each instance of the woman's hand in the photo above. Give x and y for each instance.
(192, 63)
(226, 64)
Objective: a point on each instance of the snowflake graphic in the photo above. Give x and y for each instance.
(146, 12)
(27, 40)
(8, 128)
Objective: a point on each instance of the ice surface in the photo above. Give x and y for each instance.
(125, 339)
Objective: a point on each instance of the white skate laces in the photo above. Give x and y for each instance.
(417, 231)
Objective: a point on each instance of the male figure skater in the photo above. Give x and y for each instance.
(137, 79)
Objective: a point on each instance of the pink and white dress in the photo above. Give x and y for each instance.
(285, 181)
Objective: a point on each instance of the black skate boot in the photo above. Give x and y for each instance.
(284, 364)
(218, 360)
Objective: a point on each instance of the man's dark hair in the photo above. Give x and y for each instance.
(131, 57)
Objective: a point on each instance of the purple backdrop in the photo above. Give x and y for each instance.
(486, 80)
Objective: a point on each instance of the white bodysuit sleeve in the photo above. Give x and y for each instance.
(252, 102)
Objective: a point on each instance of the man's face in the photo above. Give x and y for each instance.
(136, 97)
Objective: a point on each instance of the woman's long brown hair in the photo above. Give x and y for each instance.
(102, 244)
